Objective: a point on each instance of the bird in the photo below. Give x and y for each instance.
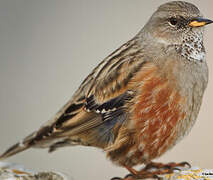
(141, 100)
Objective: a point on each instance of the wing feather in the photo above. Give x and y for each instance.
(96, 107)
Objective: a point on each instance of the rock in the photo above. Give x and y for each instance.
(9, 171)
(183, 174)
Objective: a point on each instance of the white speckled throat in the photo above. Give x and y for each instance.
(193, 48)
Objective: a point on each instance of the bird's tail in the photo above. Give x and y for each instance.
(18, 147)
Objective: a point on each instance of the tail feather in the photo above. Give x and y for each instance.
(18, 147)
(38, 139)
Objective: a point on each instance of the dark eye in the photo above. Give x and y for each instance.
(173, 21)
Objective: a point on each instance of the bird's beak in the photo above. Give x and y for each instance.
(198, 22)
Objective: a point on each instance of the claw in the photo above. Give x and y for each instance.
(185, 163)
(178, 169)
(157, 177)
(116, 178)
(128, 175)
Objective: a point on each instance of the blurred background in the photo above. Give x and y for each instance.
(47, 47)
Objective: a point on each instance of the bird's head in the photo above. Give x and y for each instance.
(177, 23)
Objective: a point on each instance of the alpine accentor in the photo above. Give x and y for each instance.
(142, 99)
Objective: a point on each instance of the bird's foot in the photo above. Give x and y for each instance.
(171, 165)
(148, 175)
(153, 169)
(144, 174)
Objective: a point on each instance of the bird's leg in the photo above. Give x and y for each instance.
(132, 170)
(143, 174)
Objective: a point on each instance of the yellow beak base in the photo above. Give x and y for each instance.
(197, 24)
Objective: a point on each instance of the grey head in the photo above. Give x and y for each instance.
(180, 25)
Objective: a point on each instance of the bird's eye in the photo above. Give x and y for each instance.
(173, 21)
